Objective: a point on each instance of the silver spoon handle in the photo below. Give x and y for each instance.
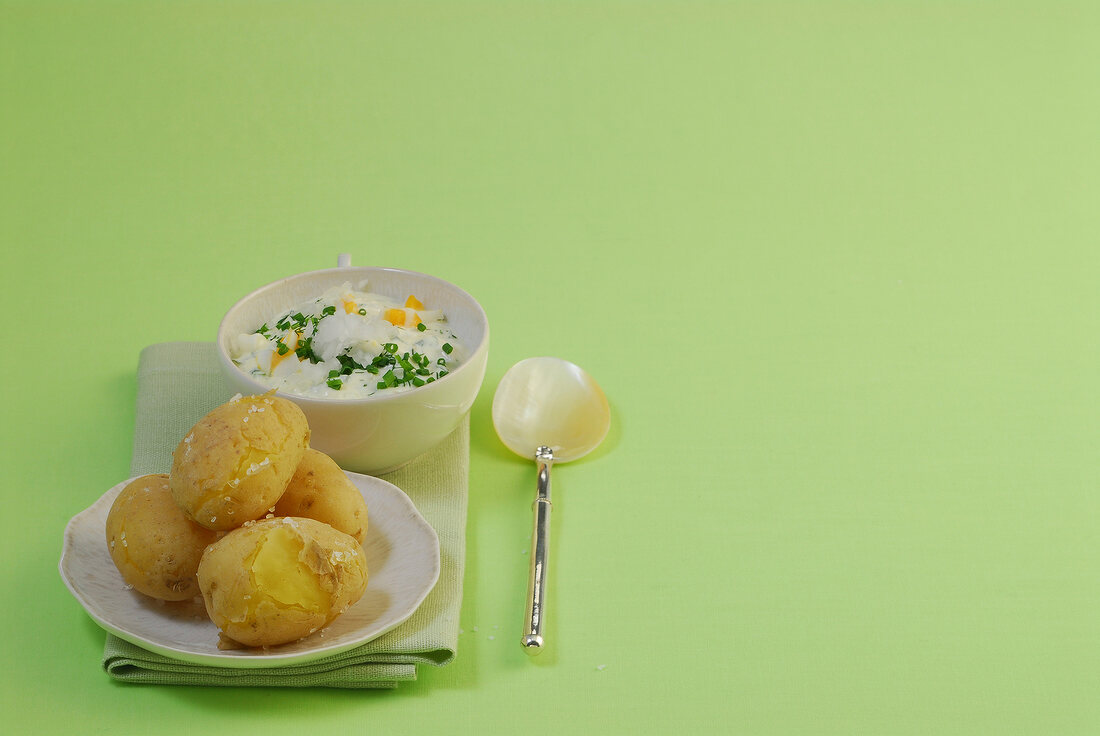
(534, 618)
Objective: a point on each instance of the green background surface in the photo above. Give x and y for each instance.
(834, 263)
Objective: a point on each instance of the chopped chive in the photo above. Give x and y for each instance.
(305, 351)
(334, 383)
(333, 374)
(442, 373)
(390, 347)
(328, 310)
(418, 381)
(447, 348)
(381, 384)
(363, 312)
(423, 372)
(389, 378)
(421, 326)
(283, 348)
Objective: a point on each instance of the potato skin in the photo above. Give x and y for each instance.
(153, 544)
(278, 580)
(321, 490)
(236, 461)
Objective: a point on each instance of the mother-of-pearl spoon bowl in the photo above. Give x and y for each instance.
(548, 410)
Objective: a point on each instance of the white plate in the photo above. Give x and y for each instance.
(402, 553)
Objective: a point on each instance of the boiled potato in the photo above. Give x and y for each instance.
(278, 580)
(321, 490)
(236, 461)
(153, 544)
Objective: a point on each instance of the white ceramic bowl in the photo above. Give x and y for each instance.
(378, 433)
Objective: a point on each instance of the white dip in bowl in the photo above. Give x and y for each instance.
(349, 343)
(364, 427)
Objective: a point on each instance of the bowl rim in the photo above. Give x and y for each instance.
(227, 362)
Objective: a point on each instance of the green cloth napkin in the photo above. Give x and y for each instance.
(177, 383)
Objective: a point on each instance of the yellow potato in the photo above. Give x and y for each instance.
(279, 580)
(236, 461)
(321, 490)
(153, 544)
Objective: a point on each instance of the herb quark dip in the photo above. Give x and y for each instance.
(349, 343)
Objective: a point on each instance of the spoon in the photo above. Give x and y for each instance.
(549, 410)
